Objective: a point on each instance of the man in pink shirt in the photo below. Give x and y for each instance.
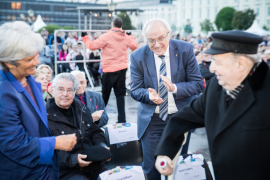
(114, 46)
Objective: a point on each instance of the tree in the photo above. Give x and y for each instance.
(126, 21)
(206, 26)
(68, 27)
(266, 28)
(188, 29)
(242, 20)
(51, 28)
(224, 18)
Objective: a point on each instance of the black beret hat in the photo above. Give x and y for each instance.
(234, 41)
(97, 153)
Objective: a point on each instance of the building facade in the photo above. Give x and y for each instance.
(52, 12)
(196, 11)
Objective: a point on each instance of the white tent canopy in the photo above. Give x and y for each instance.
(256, 29)
(38, 24)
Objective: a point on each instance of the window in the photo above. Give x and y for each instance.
(200, 13)
(208, 2)
(183, 14)
(191, 14)
(236, 1)
(13, 5)
(18, 5)
(191, 2)
(200, 2)
(216, 11)
(268, 10)
(13, 18)
(268, 22)
(8, 17)
(258, 11)
(184, 3)
(208, 13)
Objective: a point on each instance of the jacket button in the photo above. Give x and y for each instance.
(54, 114)
(63, 132)
(88, 125)
(151, 116)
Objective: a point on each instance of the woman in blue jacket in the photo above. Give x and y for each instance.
(26, 144)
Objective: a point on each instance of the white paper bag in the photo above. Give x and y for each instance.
(122, 132)
(123, 173)
(190, 168)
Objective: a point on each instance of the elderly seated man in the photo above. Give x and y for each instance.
(91, 99)
(67, 115)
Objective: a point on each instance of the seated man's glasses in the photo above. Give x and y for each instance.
(160, 40)
(62, 90)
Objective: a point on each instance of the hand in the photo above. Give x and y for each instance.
(81, 162)
(153, 96)
(84, 34)
(65, 142)
(97, 115)
(167, 170)
(168, 84)
(110, 158)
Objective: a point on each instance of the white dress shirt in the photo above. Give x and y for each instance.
(171, 103)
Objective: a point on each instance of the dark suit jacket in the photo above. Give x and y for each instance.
(185, 74)
(237, 134)
(94, 102)
(26, 145)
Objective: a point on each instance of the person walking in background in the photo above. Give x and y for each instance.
(114, 46)
(26, 144)
(164, 77)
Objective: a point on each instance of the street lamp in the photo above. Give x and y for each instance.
(112, 6)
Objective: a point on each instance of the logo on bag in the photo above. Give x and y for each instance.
(120, 125)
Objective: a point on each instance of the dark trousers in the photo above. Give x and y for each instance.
(91, 175)
(117, 81)
(150, 140)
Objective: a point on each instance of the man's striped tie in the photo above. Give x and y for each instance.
(163, 91)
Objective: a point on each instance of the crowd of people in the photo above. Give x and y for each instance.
(50, 128)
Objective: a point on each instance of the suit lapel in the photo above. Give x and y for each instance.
(173, 61)
(151, 66)
(89, 100)
(239, 106)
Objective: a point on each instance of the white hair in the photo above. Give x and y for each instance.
(68, 77)
(18, 41)
(253, 57)
(153, 20)
(44, 66)
(77, 72)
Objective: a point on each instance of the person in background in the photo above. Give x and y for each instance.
(71, 39)
(40, 77)
(114, 44)
(27, 147)
(62, 57)
(204, 66)
(69, 44)
(48, 71)
(92, 100)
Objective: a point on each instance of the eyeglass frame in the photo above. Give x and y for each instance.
(160, 40)
(66, 90)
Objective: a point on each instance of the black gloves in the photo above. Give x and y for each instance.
(84, 34)
(128, 33)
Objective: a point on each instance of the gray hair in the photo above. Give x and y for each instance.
(38, 71)
(18, 41)
(253, 57)
(68, 77)
(77, 72)
(153, 20)
(44, 66)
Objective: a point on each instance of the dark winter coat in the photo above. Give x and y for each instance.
(237, 134)
(87, 132)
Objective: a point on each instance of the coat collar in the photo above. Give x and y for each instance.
(151, 65)
(244, 100)
(37, 92)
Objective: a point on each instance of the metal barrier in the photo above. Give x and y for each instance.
(84, 61)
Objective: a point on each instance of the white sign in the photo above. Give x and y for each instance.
(123, 173)
(122, 132)
(190, 168)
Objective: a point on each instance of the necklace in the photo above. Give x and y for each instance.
(24, 82)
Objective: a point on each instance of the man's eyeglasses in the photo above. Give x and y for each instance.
(62, 90)
(160, 40)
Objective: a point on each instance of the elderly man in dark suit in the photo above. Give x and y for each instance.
(164, 77)
(92, 100)
(234, 108)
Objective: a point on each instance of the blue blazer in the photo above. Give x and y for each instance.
(94, 102)
(26, 145)
(185, 74)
